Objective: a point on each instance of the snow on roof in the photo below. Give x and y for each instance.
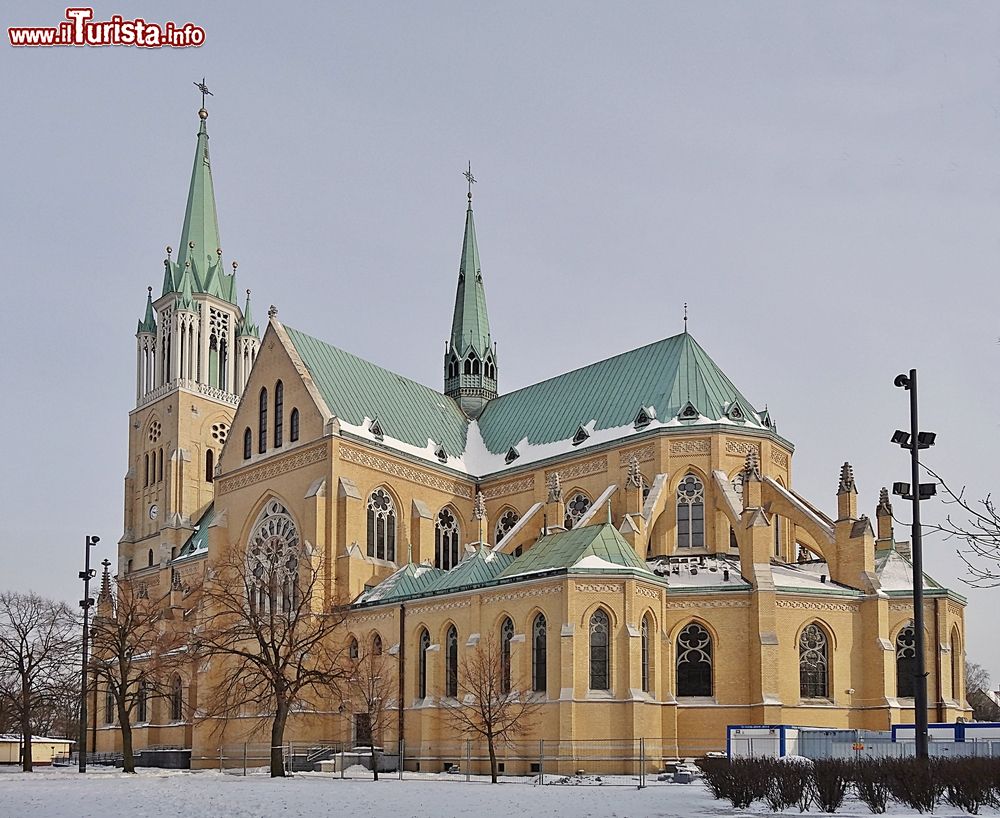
(813, 576)
(699, 572)
(895, 572)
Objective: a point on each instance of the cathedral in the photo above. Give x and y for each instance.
(629, 532)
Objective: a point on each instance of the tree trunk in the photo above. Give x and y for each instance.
(26, 765)
(277, 737)
(493, 758)
(128, 757)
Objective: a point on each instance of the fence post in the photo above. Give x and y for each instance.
(541, 761)
(244, 759)
(642, 763)
(402, 747)
(468, 759)
(220, 759)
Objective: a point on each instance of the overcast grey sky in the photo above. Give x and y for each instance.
(820, 182)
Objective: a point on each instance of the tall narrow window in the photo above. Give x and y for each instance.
(451, 663)
(644, 633)
(247, 443)
(814, 663)
(159, 468)
(777, 536)
(694, 661)
(381, 526)
(600, 651)
(538, 657)
(906, 662)
(209, 465)
(142, 705)
(425, 643)
(957, 664)
(506, 634)
(352, 649)
(447, 539)
(150, 558)
(376, 645)
(109, 705)
(176, 699)
(575, 509)
(691, 513)
(262, 422)
(293, 425)
(279, 413)
(146, 471)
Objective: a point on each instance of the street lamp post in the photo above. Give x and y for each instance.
(87, 574)
(915, 440)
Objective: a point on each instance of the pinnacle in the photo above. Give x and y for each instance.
(846, 480)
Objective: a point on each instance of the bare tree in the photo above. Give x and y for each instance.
(372, 689)
(489, 706)
(977, 524)
(37, 644)
(278, 643)
(133, 651)
(976, 676)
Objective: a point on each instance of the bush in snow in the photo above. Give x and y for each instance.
(831, 778)
(970, 782)
(789, 784)
(870, 782)
(916, 782)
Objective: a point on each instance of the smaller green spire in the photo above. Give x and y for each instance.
(246, 326)
(186, 300)
(148, 323)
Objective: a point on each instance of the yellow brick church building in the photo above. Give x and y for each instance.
(629, 532)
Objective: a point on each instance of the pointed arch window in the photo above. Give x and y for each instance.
(906, 662)
(468, 366)
(956, 666)
(425, 643)
(506, 635)
(694, 661)
(159, 467)
(149, 563)
(376, 645)
(176, 699)
(644, 634)
(381, 526)
(273, 561)
(506, 524)
(279, 414)
(247, 443)
(575, 509)
(352, 649)
(142, 705)
(451, 663)
(293, 426)
(600, 650)
(146, 471)
(539, 638)
(691, 513)
(447, 539)
(814, 663)
(109, 705)
(262, 421)
(209, 466)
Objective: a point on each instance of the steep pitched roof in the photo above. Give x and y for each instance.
(411, 580)
(598, 547)
(355, 389)
(666, 375)
(481, 566)
(895, 573)
(197, 543)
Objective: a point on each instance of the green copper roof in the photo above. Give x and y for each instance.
(470, 325)
(197, 543)
(666, 375)
(568, 548)
(479, 568)
(246, 326)
(409, 581)
(201, 226)
(354, 389)
(148, 323)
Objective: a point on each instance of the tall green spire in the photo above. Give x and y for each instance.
(470, 368)
(200, 242)
(470, 326)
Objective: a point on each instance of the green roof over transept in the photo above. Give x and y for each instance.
(567, 549)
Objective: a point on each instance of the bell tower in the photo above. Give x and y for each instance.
(194, 350)
(470, 359)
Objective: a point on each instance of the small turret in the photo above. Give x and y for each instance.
(847, 494)
(883, 515)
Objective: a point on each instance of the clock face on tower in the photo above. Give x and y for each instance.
(153, 511)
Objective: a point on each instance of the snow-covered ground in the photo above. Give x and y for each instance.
(61, 792)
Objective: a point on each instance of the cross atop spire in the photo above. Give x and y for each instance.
(204, 90)
(471, 180)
